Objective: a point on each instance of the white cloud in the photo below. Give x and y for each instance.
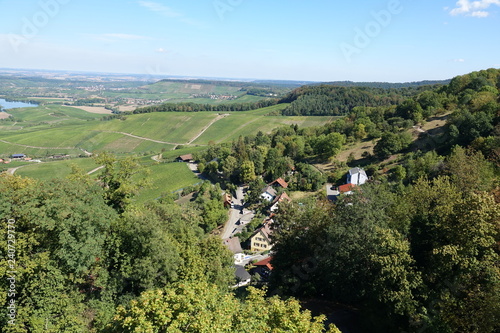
(473, 8)
(167, 12)
(458, 60)
(480, 13)
(159, 8)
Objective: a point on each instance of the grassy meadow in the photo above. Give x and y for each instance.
(56, 169)
(54, 129)
(165, 179)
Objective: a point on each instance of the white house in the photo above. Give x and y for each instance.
(268, 193)
(243, 278)
(357, 176)
(278, 200)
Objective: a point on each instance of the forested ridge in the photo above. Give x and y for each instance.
(322, 99)
(332, 100)
(386, 85)
(413, 250)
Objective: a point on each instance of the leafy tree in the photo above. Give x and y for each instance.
(391, 143)
(410, 109)
(144, 254)
(201, 307)
(276, 164)
(60, 230)
(212, 168)
(465, 126)
(419, 165)
(254, 191)
(399, 173)
(213, 214)
(360, 132)
(247, 172)
(229, 167)
(121, 179)
(469, 170)
(454, 244)
(355, 254)
(329, 145)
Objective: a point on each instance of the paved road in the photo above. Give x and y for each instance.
(238, 216)
(331, 194)
(193, 166)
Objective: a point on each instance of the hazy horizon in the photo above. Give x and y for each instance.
(366, 41)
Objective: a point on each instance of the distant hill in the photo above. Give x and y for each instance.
(340, 97)
(385, 85)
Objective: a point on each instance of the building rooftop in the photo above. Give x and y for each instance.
(356, 170)
(266, 262)
(281, 182)
(269, 190)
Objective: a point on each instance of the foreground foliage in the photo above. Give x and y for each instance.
(424, 260)
(201, 307)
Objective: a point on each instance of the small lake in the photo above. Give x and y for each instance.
(4, 105)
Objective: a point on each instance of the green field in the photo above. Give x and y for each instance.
(50, 130)
(51, 114)
(54, 129)
(167, 178)
(55, 169)
(148, 133)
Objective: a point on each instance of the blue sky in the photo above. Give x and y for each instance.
(316, 40)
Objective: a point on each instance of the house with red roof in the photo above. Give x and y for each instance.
(279, 182)
(265, 263)
(263, 268)
(283, 197)
(346, 188)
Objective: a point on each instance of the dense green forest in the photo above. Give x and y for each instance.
(332, 100)
(414, 250)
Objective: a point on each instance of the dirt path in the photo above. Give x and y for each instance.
(219, 117)
(13, 170)
(86, 152)
(145, 139)
(17, 144)
(95, 170)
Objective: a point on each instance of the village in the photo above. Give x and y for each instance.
(253, 256)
